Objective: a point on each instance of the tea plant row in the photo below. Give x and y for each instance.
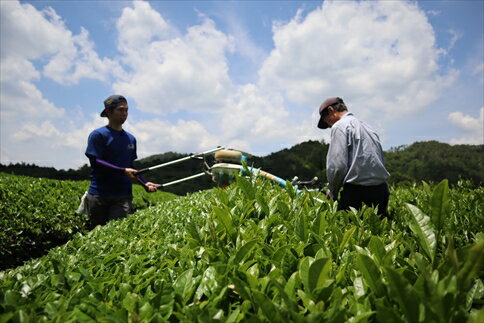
(254, 252)
(37, 214)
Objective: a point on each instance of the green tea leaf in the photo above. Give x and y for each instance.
(292, 283)
(475, 293)
(234, 316)
(244, 250)
(371, 274)
(267, 307)
(385, 313)
(404, 294)
(440, 205)
(377, 248)
(283, 209)
(264, 206)
(183, 283)
(421, 225)
(208, 284)
(320, 223)
(246, 187)
(11, 298)
(80, 316)
(193, 231)
(146, 311)
(224, 216)
(130, 302)
(473, 264)
(301, 227)
(346, 238)
(304, 271)
(318, 274)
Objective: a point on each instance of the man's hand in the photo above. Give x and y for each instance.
(151, 187)
(131, 173)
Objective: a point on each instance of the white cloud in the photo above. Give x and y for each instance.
(45, 143)
(473, 128)
(243, 44)
(479, 71)
(30, 130)
(254, 114)
(381, 56)
(30, 127)
(25, 35)
(78, 60)
(434, 13)
(171, 72)
(74, 135)
(455, 36)
(157, 136)
(29, 33)
(138, 27)
(20, 99)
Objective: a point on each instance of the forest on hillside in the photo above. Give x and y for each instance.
(430, 161)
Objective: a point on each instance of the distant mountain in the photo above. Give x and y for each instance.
(434, 161)
(429, 161)
(304, 160)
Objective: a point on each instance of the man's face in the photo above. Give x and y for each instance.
(118, 114)
(330, 116)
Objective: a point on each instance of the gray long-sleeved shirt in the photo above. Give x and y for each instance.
(355, 155)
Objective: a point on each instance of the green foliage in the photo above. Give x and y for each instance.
(253, 252)
(422, 228)
(433, 161)
(37, 214)
(429, 161)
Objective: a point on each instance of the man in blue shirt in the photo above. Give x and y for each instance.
(354, 162)
(111, 151)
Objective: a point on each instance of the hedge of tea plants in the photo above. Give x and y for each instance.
(37, 214)
(254, 252)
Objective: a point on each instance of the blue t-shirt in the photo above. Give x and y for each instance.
(117, 148)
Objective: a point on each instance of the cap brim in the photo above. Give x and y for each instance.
(103, 114)
(322, 124)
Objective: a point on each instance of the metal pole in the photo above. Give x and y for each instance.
(182, 180)
(269, 176)
(144, 170)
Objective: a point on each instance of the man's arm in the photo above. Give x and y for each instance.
(336, 161)
(130, 172)
(149, 186)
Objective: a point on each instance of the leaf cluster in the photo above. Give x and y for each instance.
(37, 214)
(254, 252)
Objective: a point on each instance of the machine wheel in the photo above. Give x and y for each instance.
(228, 156)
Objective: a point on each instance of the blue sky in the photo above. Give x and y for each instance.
(248, 75)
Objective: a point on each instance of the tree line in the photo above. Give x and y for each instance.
(430, 161)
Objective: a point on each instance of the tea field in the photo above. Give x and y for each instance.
(37, 214)
(255, 252)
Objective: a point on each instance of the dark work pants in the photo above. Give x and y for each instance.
(357, 195)
(102, 209)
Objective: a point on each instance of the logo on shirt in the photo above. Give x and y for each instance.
(130, 147)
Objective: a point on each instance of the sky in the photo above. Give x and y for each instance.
(247, 75)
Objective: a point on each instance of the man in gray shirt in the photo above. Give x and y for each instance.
(355, 159)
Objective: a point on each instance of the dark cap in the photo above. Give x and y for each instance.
(328, 102)
(112, 102)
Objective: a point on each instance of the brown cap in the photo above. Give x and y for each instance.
(328, 102)
(111, 102)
